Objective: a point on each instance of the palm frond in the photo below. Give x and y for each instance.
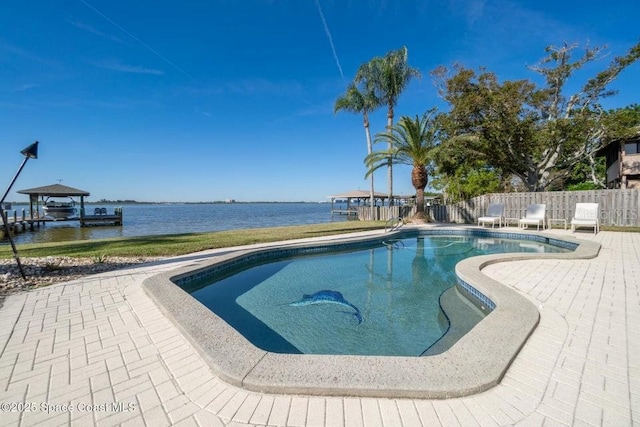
(412, 141)
(377, 160)
(352, 100)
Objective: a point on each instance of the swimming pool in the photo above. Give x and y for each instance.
(393, 297)
(476, 362)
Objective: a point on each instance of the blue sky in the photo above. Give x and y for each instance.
(210, 100)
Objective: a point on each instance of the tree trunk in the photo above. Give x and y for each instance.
(389, 163)
(419, 179)
(594, 175)
(372, 199)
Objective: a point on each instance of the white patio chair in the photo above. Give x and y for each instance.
(495, 212)
(535, 215)
(587, 215)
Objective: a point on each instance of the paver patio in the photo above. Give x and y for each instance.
(99, 351)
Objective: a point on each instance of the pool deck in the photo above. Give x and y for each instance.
(102, 347)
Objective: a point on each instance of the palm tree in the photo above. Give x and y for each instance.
(411, 142)
(363, 103)
(389, 76)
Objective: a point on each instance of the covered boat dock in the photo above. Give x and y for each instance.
(39, 195)
(354, 199)
(358, 205)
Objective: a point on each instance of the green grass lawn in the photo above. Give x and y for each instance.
(179, 244)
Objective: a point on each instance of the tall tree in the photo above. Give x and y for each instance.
(411, 142)
(534, 133)
(360, 102)
(623, 122)
(591, 172)
(465, 180)
(388, 76)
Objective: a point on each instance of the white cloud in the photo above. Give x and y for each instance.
(124, 68)
(473, 10)
(23, 87)
(248, 86)
(17, 51)
(88, 28)
(199, 111)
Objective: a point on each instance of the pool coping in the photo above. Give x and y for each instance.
(477, 362)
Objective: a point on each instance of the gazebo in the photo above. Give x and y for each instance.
(54, 190)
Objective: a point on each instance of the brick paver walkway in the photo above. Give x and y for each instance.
(99, 351)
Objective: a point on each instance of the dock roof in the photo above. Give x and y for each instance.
(358, 194)
(55, 190)
(362, 194)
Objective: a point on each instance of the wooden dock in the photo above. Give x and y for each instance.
(19, 223)
(102, 219)
(349, 212)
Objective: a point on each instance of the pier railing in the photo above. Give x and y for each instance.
(18, 223)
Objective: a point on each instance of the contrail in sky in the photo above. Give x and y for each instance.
(152, 50)
(333, 48)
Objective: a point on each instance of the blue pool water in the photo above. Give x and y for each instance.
(379, 300)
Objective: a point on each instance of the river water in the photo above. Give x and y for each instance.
(145, 220)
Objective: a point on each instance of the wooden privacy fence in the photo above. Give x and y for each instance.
(385, 213)
(617, 207)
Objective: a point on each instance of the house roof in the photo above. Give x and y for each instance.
(55, 190)
(602, 151)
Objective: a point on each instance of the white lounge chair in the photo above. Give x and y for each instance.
(495, 212)
(535, 215)
(587, 215)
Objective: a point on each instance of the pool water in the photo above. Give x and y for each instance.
(380, 300)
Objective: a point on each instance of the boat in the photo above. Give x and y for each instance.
(60, 210)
